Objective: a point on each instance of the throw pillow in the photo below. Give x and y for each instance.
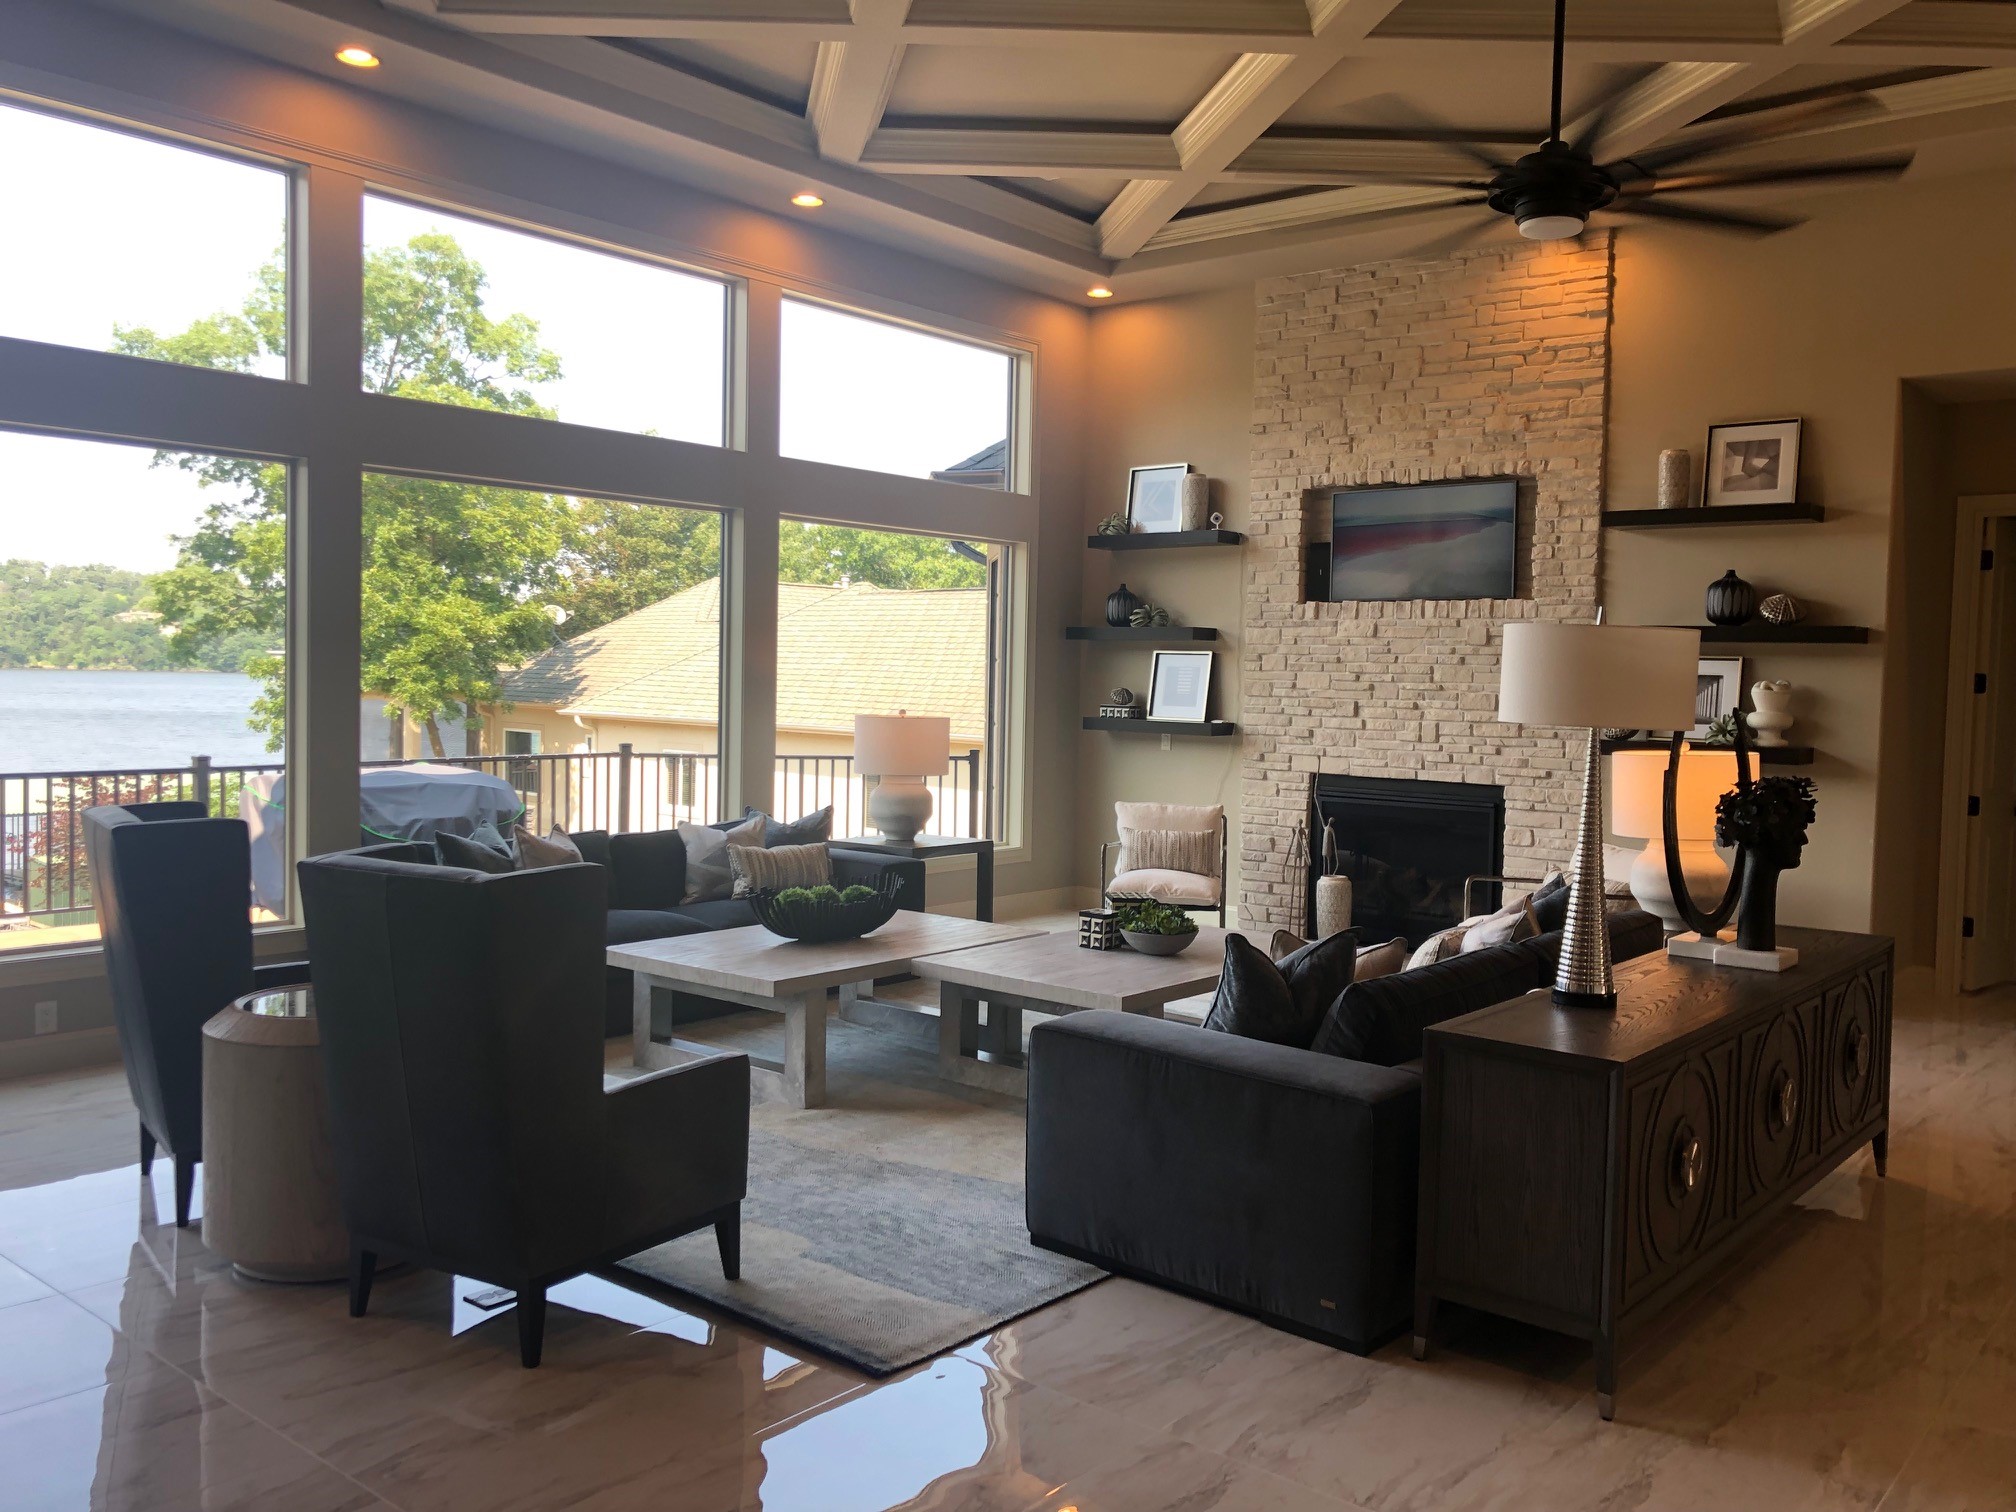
(1550, 902)
(1437, 947)
(815, 826)
(1508, 926)
(757, 868)
(555, 848)
(708, 878)
(1381, 1022)
(1194, 851)
(1285, 943)
(1376, 961)
(1282, 1002)
(471, 854)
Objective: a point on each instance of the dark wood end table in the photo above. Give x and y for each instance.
(924, 847)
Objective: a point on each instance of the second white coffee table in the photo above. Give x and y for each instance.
(1052, 974)
(753, 968)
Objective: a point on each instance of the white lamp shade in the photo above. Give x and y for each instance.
(902, 745)
(1638, 787)
(1635, 677)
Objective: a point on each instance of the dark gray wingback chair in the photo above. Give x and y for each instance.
(461, 1019)
(173, 891)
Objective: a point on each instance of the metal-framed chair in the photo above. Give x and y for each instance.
(1194, 892)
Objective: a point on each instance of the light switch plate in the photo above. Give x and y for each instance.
(45, 1017)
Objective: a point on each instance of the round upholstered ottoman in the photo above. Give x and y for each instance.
(269, 1179)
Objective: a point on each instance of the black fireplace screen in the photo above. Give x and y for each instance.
(1407, 846)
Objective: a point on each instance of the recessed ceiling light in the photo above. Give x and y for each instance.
(805, 199)
(357, 57)
(1098, 291)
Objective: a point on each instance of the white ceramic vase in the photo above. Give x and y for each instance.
(1771, 712)
(1333, 906)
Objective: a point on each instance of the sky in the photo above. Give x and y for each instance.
(136, 232)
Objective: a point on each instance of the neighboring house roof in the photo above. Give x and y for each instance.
(987, 468)
(841, 651)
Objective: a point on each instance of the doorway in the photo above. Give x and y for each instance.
(1977, 914)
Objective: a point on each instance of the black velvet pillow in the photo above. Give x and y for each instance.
(1381, 1021)
(1550, 904)
(457, 850)
(1282, 1001)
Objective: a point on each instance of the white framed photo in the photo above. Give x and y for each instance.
(1179, 686)
(1155, 496)
(1718, 691)
(1753, 463)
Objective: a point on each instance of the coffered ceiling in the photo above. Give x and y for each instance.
(1161, 144)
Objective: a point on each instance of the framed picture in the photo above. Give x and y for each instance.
(1155, 496)
(1755, 463)
(1718, 691)
(1179, 685)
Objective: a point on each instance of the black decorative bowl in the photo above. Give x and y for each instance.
(815, 922)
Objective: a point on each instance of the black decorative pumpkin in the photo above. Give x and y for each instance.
(1120, 605)
(1731, 601)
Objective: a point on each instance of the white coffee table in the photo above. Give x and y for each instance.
(752, 968)
(1051, 974)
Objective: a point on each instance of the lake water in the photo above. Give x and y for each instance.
(99, 721)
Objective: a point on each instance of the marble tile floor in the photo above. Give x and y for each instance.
(1862, 1355)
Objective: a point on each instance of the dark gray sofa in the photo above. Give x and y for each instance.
(647, 876)
(1271, 1179)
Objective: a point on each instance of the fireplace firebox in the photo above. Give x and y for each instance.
(1407, 845)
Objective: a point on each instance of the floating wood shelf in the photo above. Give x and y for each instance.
(1791, 755)
(1162, 726)
(1141, 633)
(1157, 540)
(1699, 516)
(1763, 633)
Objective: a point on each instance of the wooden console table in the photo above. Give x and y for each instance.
(1580, 1169)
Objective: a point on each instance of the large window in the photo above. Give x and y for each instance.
(143, 622)
(463, 311)
(889, 398)
(118, 242)
(872, 622)
(569, 649)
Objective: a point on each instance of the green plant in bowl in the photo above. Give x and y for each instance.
(1155, 928)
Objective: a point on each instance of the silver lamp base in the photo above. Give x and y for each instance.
(1582, 978)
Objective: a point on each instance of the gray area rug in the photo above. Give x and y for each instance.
(884, 1228)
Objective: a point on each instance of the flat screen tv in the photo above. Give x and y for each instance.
(1453, 540)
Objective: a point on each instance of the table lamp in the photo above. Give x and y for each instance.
(1637, 788)
(1592, 677)
(901, 749)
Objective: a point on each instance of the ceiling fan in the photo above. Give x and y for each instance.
(1551, 192)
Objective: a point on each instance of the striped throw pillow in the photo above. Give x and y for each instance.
(757, 869)
(1194, 851)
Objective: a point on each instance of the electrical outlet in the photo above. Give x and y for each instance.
(45, 1017)
(1165, 742)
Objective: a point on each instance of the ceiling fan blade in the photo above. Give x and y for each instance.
(1837, 109)
(1802, 173)
(1394, 121)
(1599, 118)
(1746, 224)
(1474, 230)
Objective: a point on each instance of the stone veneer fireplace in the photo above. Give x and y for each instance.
(1491, 362)
(1408, 847)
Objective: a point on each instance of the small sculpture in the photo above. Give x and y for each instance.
(1771, 712)
(1782, 609)
(1113, 524)
(1148, 616)
(1122, 697)
(1769, 823)
(1731, 601)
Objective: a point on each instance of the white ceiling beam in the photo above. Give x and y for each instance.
(1247, 99)
(1321, 160)
(815, 20)
(1006, 152)
(1299, 210)
(851, 80)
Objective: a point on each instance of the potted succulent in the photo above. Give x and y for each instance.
(1769, 822)
(1155, 928)
(818, 915)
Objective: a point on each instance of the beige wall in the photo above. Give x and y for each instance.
(1174, 383)
(1825, 322)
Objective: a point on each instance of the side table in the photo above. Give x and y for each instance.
(924, 847)
(269, 1176)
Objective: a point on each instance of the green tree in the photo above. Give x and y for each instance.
(809, 553)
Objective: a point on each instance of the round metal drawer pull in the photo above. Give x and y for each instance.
(1687, 1162)
(1855, 1056)
(1784, 1100)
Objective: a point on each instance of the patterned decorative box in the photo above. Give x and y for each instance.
(1099, 929)
(1120, 711)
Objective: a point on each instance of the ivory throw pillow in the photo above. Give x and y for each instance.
(1508, 926)
(1376, 961)
(1194, 851)
(1437, 947)
(555, 848)
(758, 868)
(707, 876)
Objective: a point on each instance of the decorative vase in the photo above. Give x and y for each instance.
(1731, 601)
(1675, 474)
(1782, 609)
(1120, 606)
(1196, 501)
(1771, 712)
(1333, 906)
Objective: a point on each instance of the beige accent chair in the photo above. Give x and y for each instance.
(1182, 889)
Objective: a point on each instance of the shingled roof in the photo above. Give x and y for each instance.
(841, 651)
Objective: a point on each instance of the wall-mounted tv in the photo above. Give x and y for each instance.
(1452, 540)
